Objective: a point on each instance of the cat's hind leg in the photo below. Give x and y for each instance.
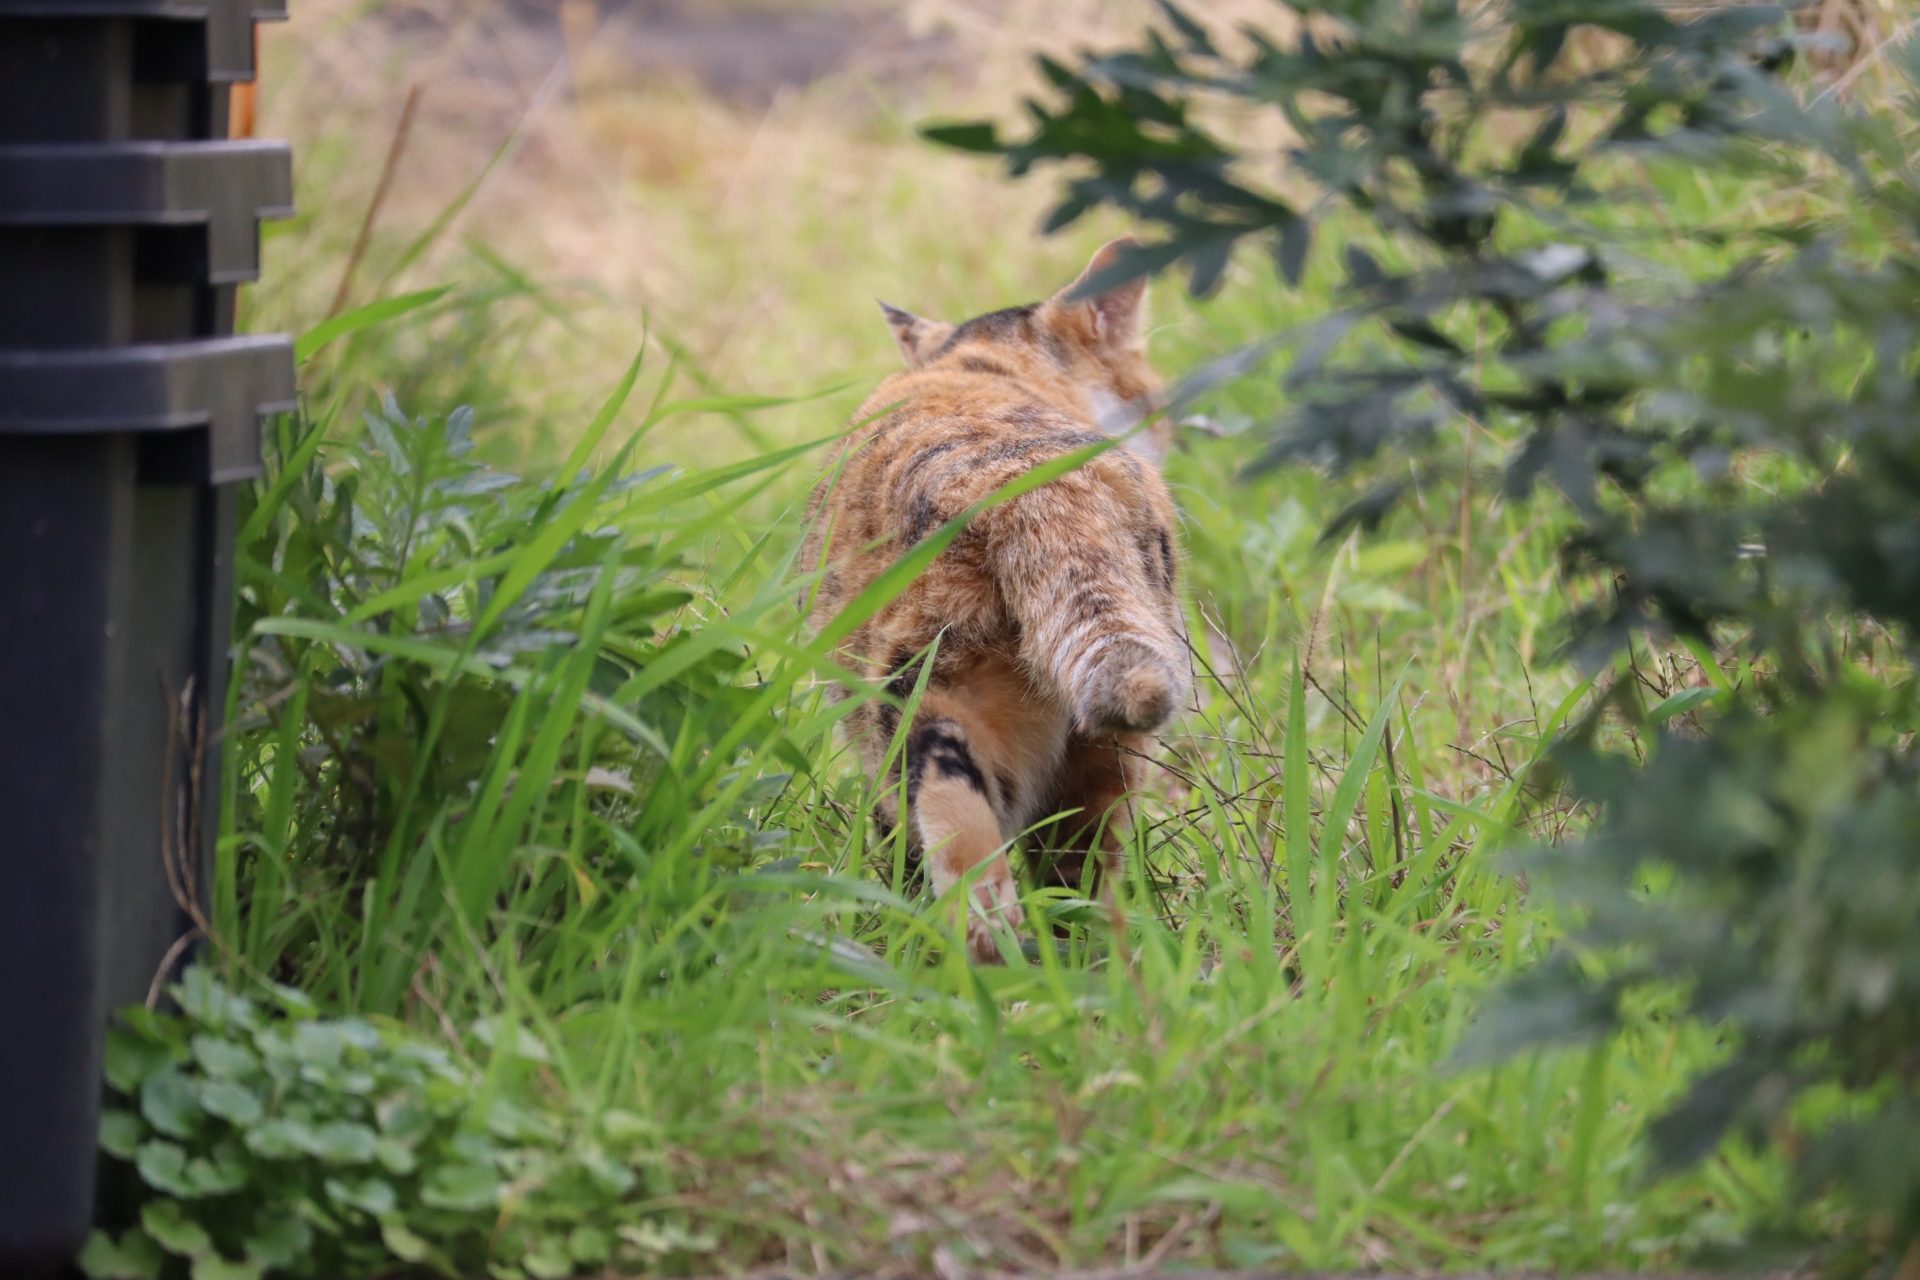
(950, 803)
(1090, 793)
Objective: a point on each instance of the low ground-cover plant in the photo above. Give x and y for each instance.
(273, 1140)
(1740, 451)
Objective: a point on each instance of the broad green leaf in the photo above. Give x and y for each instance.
(462, 1187)
(211, 1266)
(232, 1102)
(279, 1239)
(134, 1257)
(171, 1104)
(131, 1058)
(224, 1059)
(281, 1138)
(369, 1195)
(167, 1222)
(121, 1133)
(344, 1142)
(406, 1246)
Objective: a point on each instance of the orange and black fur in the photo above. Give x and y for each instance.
(1061, 643)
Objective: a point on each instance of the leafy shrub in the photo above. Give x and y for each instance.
(479, 728)
(280, 1141)
(1741, 452)
(447, 665)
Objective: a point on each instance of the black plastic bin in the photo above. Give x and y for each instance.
(128, 410)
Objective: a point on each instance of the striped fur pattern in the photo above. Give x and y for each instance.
(1061, 642)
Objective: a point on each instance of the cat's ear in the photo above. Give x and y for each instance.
(1119, 312)
(917, 337)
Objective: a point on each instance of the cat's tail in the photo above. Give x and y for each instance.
(1088, 573)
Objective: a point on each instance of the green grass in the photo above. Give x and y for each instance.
(557, 754)
(563, 758)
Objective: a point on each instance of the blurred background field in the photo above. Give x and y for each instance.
(817, 1085)
(742, 177)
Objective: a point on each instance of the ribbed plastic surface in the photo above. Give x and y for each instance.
(129, 409)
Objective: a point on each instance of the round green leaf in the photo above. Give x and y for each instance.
(224, 1058)
(132, 1057)
(281, 1138)
(279, 1240)
(232, 1102)
(168, 1223)
(395, 1157)
(171, 1104)
(120, 1133)
(461, 1186)
(405, 1245)
(343, 1142)
(135, 1257)
(163, 1166)
(369, 1195)
(211, 1266)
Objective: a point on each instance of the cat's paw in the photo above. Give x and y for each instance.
(997, 904)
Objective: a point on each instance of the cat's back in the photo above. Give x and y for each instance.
(933, 438)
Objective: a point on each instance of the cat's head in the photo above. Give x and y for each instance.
(1092, 349)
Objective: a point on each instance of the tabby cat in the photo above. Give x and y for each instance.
(1061, 643)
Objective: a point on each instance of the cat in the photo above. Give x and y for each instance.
(1061, 641)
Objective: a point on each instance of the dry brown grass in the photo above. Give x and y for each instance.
(755, 233)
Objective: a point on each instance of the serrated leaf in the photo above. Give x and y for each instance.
(1190, 31)
(460, 431)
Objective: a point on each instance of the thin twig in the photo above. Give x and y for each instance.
(180, 945)
(380, 190)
